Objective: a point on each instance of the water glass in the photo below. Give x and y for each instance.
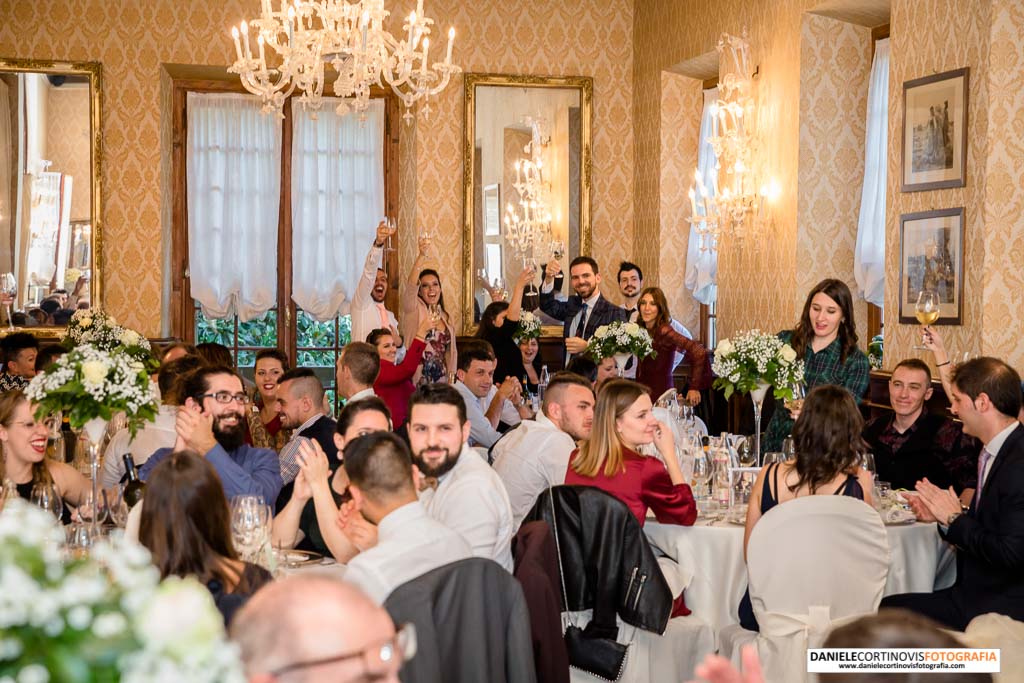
(46, 497)
(250, 525)
(789, 448)
(868, 463)
(79, 540)
(117, 508)
(773, 457)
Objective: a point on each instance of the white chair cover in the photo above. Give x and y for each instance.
(668, 657)
(813, 564)
(131, 527)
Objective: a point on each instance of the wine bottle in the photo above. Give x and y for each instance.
(135, 489)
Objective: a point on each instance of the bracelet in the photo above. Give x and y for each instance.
(939, 365)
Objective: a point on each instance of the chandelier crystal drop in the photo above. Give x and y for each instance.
(295, 43)
(737, 191)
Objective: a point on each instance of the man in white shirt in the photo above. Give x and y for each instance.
(631, 284)
(487, 405)
(409, 542)
(160, 433)
(535, 455)
(367, 307)
(357, 370)
(461, 490)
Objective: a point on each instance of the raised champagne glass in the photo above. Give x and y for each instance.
(8, 290)
(927, 311)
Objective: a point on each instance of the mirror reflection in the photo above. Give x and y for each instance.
(46, 207)
(527, 185)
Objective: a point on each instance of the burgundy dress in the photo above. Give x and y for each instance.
(656, 372)
(645, 484)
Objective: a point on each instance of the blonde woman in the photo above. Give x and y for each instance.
(24, 455)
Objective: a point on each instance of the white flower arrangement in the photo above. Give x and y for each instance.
(529, 327)
(96, 327)
(106, 617)
(89, 382)
(620, 338)
(753, 358)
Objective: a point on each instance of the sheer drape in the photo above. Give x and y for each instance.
(702, 267)
(337, 201)
(233, 163)
(6, 205)
(869, 257)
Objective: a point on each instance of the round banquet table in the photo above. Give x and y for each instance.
(919, 561)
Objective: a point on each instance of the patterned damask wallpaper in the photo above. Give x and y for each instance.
(132, 39)
(682, 100)
(835, 66)
(68, 143)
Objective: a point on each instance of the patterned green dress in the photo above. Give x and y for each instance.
(823, 367)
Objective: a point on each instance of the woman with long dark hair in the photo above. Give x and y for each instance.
(24, 460)
(829, 448)
(186, 525)
(264, 421)
(422, 298)
(498, 326)
(826, 339)
(656, 372)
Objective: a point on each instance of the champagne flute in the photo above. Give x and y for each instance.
(8, 290)
(389, 223)
(927, 311)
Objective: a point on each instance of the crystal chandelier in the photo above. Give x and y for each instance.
(305, 35)
(529, 225)
(735, 181)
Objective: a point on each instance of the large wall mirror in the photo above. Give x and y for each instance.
(526, 183)
(49, 192)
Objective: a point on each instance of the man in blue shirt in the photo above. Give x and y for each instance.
(212, 423)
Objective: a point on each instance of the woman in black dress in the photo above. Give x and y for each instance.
(498, 327)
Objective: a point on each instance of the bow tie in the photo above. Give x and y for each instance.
(428, 483)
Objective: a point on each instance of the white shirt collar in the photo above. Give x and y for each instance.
(544, 421)
(589, 303)
(996, 444)
(400, 517)
(359, 395)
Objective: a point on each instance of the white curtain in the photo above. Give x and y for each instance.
(6, 205)
(337, 201)
(702, 267)
(234, 179)
(869, 257)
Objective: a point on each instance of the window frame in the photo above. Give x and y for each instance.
(182, 305)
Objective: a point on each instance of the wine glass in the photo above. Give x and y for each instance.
(745, 452)
(118, 508)
(796, 403)
(700, 476)
(867, 461)
(927, 311)
(435, 312)
(557, 249)
(499, 289)
(789, 448)
(8, 290)
(250, 525)
(389, 223)
(87, 509)
(46, 497)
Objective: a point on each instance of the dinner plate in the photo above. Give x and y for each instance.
(901, 522)
(299, 558)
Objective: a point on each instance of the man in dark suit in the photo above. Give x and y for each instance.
(300, 397)
(582, 313)
(988, 535)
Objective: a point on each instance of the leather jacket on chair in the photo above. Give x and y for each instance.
(606, 560)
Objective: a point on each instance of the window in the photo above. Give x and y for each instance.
(317, 180)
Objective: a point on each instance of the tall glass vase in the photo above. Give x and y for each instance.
(757, 396)
(620, 362)
(94, 430)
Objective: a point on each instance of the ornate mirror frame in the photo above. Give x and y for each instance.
(585, 86)
(94, 72)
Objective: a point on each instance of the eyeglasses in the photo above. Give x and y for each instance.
(225, 397)
(378, 660)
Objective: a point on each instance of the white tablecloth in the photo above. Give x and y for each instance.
(919, 561)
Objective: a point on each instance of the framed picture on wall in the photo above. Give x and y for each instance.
(932, 264)
(935, 131)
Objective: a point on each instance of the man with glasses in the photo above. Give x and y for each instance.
(315, 628)
(211, 422)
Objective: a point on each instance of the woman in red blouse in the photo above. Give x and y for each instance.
(609, 460)
(394, 382)
(656, 372)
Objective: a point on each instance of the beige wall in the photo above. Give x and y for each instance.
(68, 143)
(132, 39)
(835, 66)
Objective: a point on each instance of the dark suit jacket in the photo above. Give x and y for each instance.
(471, 625)
(321, 431)
(604, 312)
(990, 539)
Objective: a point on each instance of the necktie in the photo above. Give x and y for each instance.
(982, 462)
(384, 322)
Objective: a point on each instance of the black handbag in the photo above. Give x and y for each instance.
(599, 656)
